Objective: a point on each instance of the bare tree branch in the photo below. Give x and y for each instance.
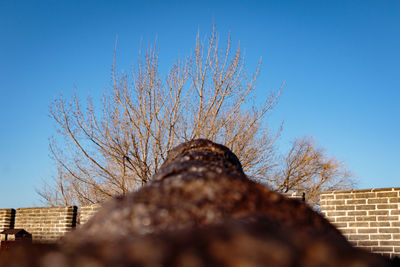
(101, 153)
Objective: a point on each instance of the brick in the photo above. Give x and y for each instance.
(335, 213)
(323, 208)
(341, 225)
(382, 249)
(326, 196)
(395, 224)
(367, 243)
(331, 219)
(335, 202)
(366, 218)
(388, 218)
(365, 195)
(389, 243)
(344, 196)
(395, 212)
(389, 230)
(377, 200)
(358, 224)
(378, 212)
(387, 194)
(346, 219)
(345, 207)
(358, 237)
(348, 231)
(365, 207)
(379, 224)
(356, 201)
(380, 237)
(367, 230)
(396, 249)
(387, 206)
(358, 212)
(394, 200)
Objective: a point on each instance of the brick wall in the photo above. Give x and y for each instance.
(46, 224)
(87, 211)
(6, 218)
(368, 218)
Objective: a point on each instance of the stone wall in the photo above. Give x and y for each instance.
(368, 218)
(87, 211)
(7, 217)
(46, 224)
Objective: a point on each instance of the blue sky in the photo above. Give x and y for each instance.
(340, 61)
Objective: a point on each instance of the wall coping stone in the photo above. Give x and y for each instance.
(361, 190)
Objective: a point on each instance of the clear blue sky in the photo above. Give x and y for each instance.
(340, 61)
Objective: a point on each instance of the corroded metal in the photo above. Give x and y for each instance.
(200, 209)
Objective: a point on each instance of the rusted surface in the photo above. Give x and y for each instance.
(200, 183)
(201, 210)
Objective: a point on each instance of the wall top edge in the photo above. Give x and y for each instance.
(7, 210)
(387, 189)
(41, 208)
(2, 210)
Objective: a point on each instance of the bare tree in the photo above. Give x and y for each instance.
(307, 168)
(104, 152)
(208, 95)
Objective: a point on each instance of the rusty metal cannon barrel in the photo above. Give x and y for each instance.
(200, 209)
